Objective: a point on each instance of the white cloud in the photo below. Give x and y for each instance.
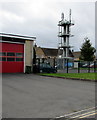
(10, 17)
(40, 19)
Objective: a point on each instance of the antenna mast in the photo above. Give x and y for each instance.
(70, 16)
(64, 35)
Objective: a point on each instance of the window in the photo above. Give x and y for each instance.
(10, 59)
(19, 54)
(10, 54)
(2, 54)
(2, 59)
(19, 59)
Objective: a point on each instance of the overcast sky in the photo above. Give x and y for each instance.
(40, 19)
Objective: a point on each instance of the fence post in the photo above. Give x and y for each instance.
(54, 62)
(79, 67)
(38, 65)
(94, 66)
(89, 67)
(67, 65)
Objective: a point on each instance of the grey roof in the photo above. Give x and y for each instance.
(50, 52)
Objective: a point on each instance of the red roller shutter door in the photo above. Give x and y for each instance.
(12, 58)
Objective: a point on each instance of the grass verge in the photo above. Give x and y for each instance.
(86, 76)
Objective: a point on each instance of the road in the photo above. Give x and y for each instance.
(33, 96)
(89, 114)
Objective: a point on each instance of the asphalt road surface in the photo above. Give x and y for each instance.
(86, 114)
(33, 96)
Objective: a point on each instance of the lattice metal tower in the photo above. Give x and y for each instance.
(64, 35)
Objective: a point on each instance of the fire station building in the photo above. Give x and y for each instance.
(16, 53)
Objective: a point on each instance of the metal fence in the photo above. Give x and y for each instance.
(71, 66)
(68, 65)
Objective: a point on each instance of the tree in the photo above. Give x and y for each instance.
(87, 51)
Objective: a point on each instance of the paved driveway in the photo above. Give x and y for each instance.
(33, 96)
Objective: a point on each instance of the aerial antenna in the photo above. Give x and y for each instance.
(62, 16)
(70, 16)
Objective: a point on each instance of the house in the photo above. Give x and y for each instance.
(16, 53)
(49, 55)
(76, 55)
(46, 55)
(46, 52)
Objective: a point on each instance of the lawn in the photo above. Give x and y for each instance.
(88, 76)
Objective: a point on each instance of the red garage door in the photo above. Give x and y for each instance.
(12, 58)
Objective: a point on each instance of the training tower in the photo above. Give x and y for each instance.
(64, 35)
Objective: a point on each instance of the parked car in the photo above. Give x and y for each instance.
(85, 65)
(44, 67)
(92, 65)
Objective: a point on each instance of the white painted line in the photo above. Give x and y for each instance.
(84, 114)
(80, 111)
(88, 115)
(74, 113)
